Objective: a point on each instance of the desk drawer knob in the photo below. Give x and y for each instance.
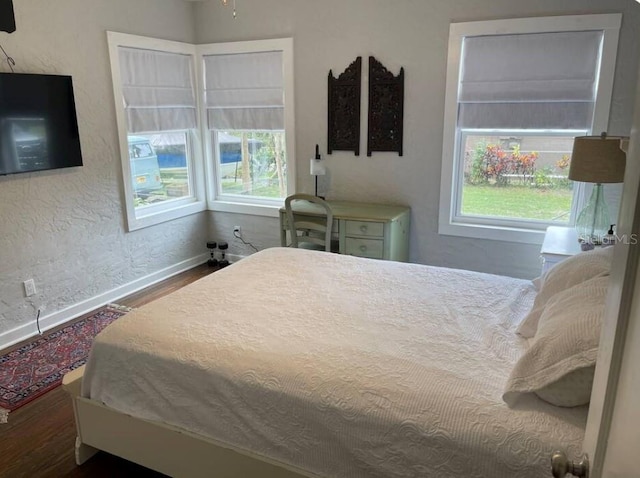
(363, 228)
(363, 248)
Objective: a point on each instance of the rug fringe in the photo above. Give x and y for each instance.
(120, 307)
(4, 415)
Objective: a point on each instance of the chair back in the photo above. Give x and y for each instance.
(311, 228)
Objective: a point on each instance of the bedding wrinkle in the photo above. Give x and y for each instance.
(381, 369)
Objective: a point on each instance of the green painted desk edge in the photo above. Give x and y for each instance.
(354, 210)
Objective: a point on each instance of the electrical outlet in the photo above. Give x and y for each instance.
(237, 229)
(29, 287)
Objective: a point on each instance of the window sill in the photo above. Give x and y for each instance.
(495, 233)
(244, 208)
(140, 222)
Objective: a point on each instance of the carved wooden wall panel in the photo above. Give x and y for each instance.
(344, 109)
(386, 109)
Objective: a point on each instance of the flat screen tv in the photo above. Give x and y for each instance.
(38, 124)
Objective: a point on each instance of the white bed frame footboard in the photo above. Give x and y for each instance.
(159, 446)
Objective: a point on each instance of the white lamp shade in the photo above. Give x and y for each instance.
(317, 167)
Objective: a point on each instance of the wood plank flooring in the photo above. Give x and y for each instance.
(39, 439)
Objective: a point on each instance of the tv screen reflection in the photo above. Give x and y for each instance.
(24, 145)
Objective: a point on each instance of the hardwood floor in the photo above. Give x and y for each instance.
(38, 441)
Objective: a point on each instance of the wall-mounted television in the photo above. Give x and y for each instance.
(38, 124)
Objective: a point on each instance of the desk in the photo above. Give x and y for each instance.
(377, 231)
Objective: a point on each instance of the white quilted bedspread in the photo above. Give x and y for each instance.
(340, 366)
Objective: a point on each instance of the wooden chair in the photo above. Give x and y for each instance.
(309, 230)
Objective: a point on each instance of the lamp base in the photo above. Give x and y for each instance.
(593, 221)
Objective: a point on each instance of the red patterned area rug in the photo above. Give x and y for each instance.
(37, 367)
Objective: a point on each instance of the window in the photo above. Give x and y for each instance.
(517, 175)
(156, 105)
(160, 167)
(248, 96)
(251, 163)
(233, 119)
(518, 92)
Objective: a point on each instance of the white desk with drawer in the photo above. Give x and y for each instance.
(377, 231)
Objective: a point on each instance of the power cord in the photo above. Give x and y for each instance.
(38, 318)
(10, 61)
(237, 235)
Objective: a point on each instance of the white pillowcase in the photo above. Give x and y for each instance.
(572, 390)
(566, 342)
(565, 274)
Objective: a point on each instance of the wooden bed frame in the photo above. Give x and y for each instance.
(161, 447)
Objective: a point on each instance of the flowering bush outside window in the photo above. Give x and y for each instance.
(490, 163)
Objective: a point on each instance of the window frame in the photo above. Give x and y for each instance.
(172, 209)
(250, 205)
(450, 220)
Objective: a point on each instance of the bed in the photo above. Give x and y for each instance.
(299, 363)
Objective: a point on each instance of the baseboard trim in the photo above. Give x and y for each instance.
(47, 322)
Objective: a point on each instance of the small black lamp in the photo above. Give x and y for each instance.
(317, 168)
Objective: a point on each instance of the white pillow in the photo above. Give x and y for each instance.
(566, 341)
(565, 274)
(572, 390)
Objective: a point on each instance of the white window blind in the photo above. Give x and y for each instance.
(158, 90)
(529, 81)
(245, 91)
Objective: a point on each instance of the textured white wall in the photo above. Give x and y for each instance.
(65, 228)
(330, 34)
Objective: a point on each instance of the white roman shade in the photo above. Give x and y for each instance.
(158, 90)
(245, 91)
(529, 81)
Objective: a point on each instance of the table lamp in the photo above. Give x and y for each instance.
(596, 159)
(317, 168)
